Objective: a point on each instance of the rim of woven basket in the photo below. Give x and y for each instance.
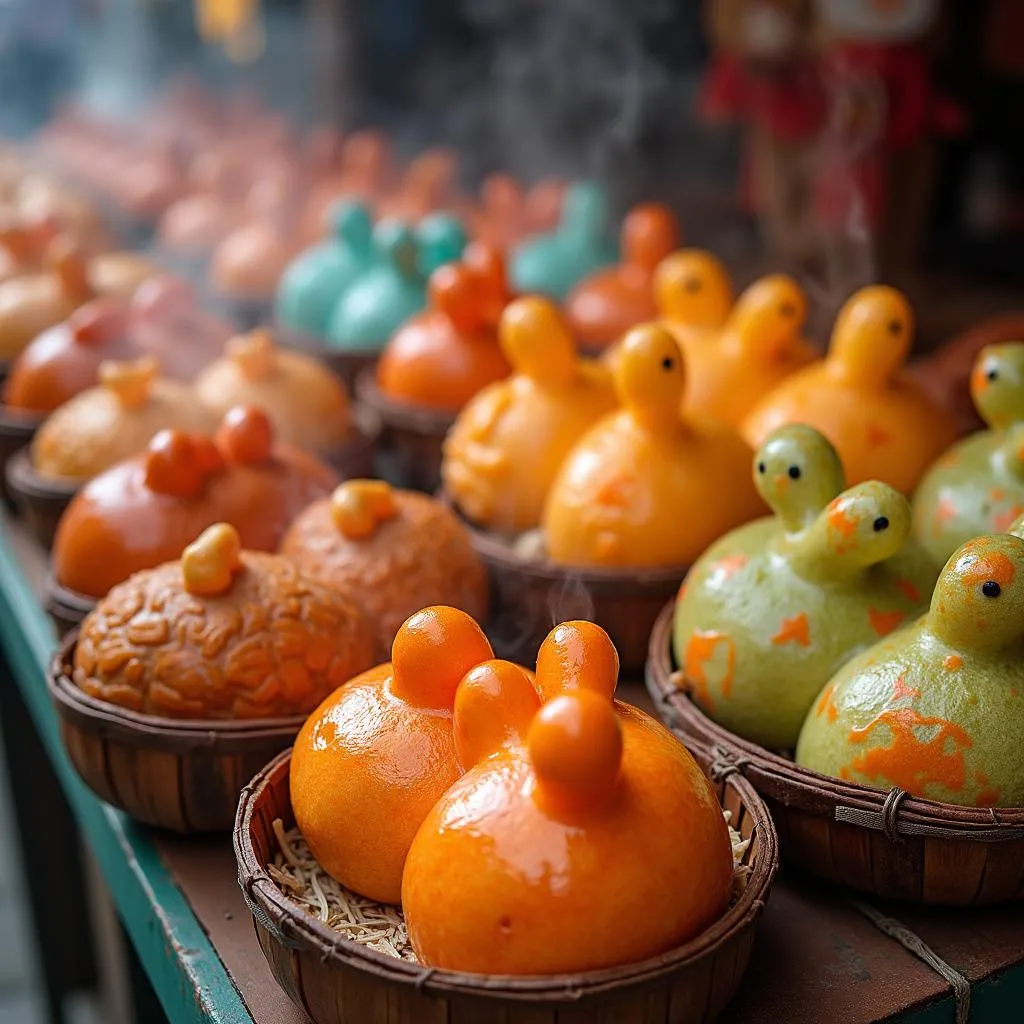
(801, 787)
(66, 599)
(500, 553)
(301, 930)
(154, 731)
(19, 422)
(23, 478)
(396, 413)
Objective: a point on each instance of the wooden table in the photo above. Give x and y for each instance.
(817, 960)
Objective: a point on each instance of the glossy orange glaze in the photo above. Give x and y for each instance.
(396, 549)
(604, 306)
(443, 356)
(374, 758)
(494, 706)
(507, 444)
(64, 360)
(541, 858)
(577, 655)
(143, 511)
(880, 421)
(643, 487)
(759, 346)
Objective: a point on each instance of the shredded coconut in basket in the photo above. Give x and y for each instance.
(379, 926)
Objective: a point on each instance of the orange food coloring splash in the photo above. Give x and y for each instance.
(725, 567)
(700, 649)
(944, 511)
(1002, 521)
(839, 519)
(909, 761)
(952, 662)
(794, 630)
(827, 704)
(883, 623)
(901, 691)
(976, 566)
(908, 590)
(997, 494)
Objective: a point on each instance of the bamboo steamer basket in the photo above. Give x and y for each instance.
(335, 980)
(413, 435)
(17, 428)
(355, 457)
(888, 844)
(177, 774)
(39, 500)
(66, 608)
(347, 365)
(531, 595)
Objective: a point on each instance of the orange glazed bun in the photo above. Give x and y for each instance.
(373, 759)
(585, 837)
(393, 549)
(442, 357)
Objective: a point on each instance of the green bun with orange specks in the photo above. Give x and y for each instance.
(772, 610)
(977, 486)
(937, 709)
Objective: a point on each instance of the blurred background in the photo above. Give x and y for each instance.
(844, 141)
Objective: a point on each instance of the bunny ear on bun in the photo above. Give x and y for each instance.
(494, 706)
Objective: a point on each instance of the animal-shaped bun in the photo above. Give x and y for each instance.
(935, 708)
(879, 420)
(642, 487)
(141, 512)
(508, 443)
(373, 759)
(769, 612)
(977, 486)
(442, 357)
(570, 823)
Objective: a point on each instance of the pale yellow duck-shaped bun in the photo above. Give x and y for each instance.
(729, 371)
(307, 403)
(935, 708)
(115, 420)
(693, 293)
(881, 423)
(643, 487)
(977, 486)
(509, 441)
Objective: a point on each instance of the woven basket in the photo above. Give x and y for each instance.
(337, 981)
(39, 500)
(356, 456)
(889, 844)
(181, 775)
(530, 596)
(16, 432)
(67, 608)
(413, 435)
(347, 365)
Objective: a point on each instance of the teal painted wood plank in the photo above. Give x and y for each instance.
(188, 977)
